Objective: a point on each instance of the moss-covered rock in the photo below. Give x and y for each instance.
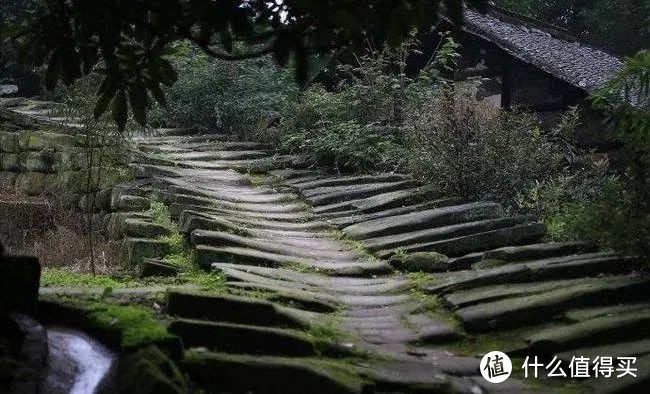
(125, 328)
(140, 228)
(420, 262)
(141, 248)
(149, 371)
(218, 372)
(38, 140)
(9, 161)
(9, 142)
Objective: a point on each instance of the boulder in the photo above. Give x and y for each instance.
(141, 248)
(37, 161)
(149, 371)
(133, 203)
(9, 162)
(9, 142)
(140, 228)
(36, 140)
(155, 267)
(32, 183)
(420, 262)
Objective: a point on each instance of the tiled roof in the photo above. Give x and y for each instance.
(580, 65)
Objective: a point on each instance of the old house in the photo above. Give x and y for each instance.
(527, 63)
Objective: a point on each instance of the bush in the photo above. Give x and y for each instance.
(357, 125)
(473, 150)
(229, 96)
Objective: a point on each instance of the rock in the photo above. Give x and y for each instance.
(514, 312)
(19, 283)
(140, 228)
(243, 339)
(32, 183)
(230, 309)
(154, 267)
(333, 181)
(625, 385)
(583, 314)
(9, 162)
(133, 203)
(398, 198)
(37, 161)
(442, 233)
(141, 248)
(539, 251)
(597, 331)
(36, 140)
(329, 195)
(271, 374)
(9, 142)
(463, 245)
(620, 349)
(103, 199)
(420, 261)
(149, 371)
(424, 219)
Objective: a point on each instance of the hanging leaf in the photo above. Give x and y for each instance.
(138, 101)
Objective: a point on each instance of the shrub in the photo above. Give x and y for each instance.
(229, 96)
(473, 150)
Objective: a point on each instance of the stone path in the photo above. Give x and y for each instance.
(319, 246)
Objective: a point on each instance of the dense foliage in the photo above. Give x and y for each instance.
(621, 25)
(230, 96)
(128, 40)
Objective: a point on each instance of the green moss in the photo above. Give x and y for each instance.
(159, 213)
(352, 244)
(62, 277)
(149, 371)
(137, 325)
(299, 267)
(127, 327)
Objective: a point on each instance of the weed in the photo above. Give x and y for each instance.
(159, 213)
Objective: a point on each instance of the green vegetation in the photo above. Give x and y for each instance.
(239, 97)
(159, 213)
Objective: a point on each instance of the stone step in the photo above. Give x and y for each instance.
(540, 251)
(583, 314)
(459, 246)
(464, 298)
(514, 312)
(266, 374)
(336, 181)
(597, 331)
(315, 249)
(302, 299)
(621, 349)
(425, 219)
(625, 385)
(207, 255)
(280, 207)
(568, 267)
(232, 309)
(353, 216)
(441, 233)
(329, 195)
(216, 155)
(244, 339)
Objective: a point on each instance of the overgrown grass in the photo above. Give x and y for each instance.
(159, 213)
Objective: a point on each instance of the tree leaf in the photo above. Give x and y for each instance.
(138, 100)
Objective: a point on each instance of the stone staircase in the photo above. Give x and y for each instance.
(323, 249)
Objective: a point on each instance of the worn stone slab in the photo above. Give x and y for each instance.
(583, 314)
(464, 298)
(140, 228)
(424, 219)
(282, 246)
(597, 331)
(540, 251)
(141, 248)
(243, 339)
(568, 267)
(230, 309)
(296, 298)
(257, 374)
(619, 349)
(459, 246)
(441, 233)
(527, 310)
(353, 217)
(335, 181)
(322, 196)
